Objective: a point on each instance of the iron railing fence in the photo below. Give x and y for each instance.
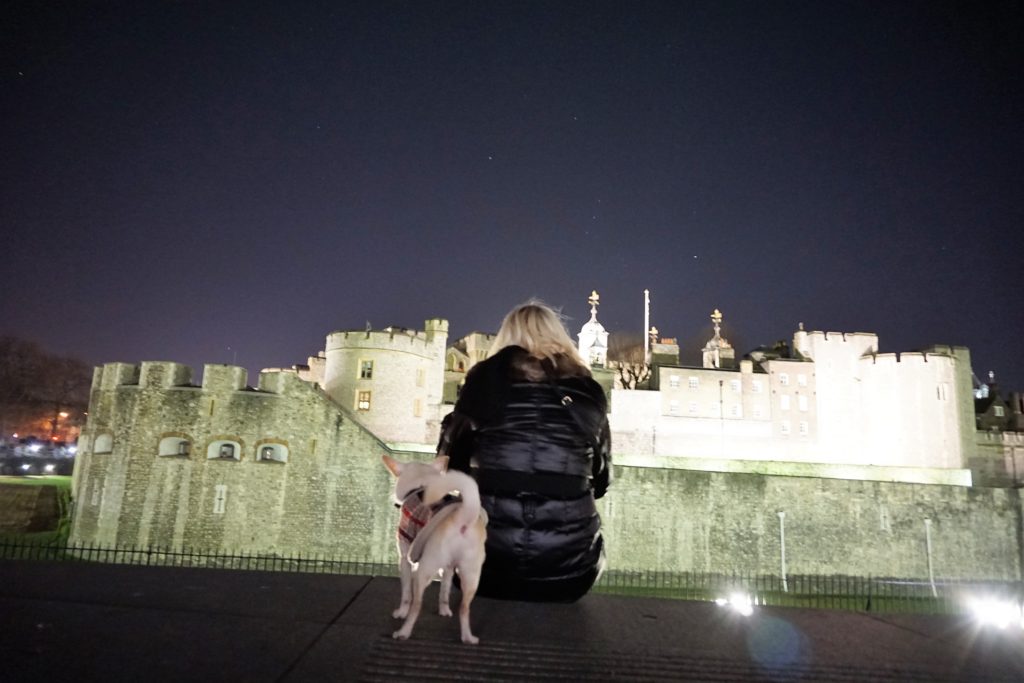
(843, 592)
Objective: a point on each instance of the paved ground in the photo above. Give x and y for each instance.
(85, 622)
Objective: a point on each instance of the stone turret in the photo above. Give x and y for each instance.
(593, 338)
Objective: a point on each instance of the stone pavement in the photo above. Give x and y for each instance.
(93, 622)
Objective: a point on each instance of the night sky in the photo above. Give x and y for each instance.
(208, 182)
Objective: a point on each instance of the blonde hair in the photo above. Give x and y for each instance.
(538, 328)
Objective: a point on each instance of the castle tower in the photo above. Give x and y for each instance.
(718, 352)
(593, 338)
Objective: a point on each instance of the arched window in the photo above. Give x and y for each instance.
(224, 449)
(271, 452)
(175, 445)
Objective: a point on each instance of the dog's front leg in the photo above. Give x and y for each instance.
(420, 580)
(405, 574)
(444, 594)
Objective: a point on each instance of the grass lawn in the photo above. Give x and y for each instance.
(58, 535)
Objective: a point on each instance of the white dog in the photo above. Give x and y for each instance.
(442, 528)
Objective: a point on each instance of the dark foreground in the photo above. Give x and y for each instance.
(92, 622)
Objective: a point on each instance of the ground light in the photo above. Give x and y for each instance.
(997, 612)
(740, 602)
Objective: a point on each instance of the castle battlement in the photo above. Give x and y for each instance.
(912, 359)
(163, 375)
(420, 342)
(112, 375)
(217, 377)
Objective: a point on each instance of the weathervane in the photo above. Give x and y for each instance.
(594, 301)
(653, 333)
(716, 318)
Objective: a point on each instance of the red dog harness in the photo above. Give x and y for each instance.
(415, 513)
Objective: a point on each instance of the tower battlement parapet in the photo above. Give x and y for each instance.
(217, 377)
(164, 374)
(394, 339)
(284, 383)
(113, 375)
(907, 359)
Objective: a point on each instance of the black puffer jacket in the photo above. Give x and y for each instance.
(539, 473)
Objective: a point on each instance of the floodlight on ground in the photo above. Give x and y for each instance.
(997, 612)
(34, 448)
(740, 602)
(49, 469)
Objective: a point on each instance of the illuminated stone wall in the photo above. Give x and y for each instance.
(682, 520)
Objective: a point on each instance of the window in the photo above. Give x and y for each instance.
(673, 381)
(272, 452)
(174, 444)
(783, 379)
(694, 382)
(999, 411)
(366, 369)
(417, 408)
(801, 380)
(420, 376)
(802, 402)
(673, 407)
(803, 429)
(693, 408)
(784, 402)
(737, 410)
(362, 400)
(756, 386)
(758, 413)
(226, 449)
(716, 409)
(785, 427)
(942, 392)
(735, 386)
(220, 497)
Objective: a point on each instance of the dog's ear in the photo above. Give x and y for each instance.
(440, 463)
(393, 465)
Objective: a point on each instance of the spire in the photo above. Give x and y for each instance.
(593, 338)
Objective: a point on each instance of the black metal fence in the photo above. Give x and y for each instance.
(857, 593)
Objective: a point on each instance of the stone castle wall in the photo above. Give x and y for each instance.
(333, 497)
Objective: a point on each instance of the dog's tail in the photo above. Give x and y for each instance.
(451, 482)
(464, 513)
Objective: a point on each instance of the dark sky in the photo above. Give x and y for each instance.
(203, 181)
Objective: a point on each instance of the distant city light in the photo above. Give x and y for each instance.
(26, 467)
(34, 448)
(62, 414)
(72, 449)
(50, 468)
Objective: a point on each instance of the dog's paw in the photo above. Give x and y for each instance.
(470, 639)
(444, 610)
(400, 634)
(401, 613)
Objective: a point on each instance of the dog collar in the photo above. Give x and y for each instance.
(418, 491)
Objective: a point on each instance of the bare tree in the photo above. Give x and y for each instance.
(626, 358)
(36, 387)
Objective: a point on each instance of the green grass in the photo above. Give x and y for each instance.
(52, 536)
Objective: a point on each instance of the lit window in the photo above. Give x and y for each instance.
(673, 407)
(737, 410)
(802, 402)
(362, 400)
(783, 379)
(224, 450)
(366, 369)
(785, 427)
(693, 408)
(220, 498)
(756, 386)
(999, 412)
(417, 408)
(801, 380)
(694, 382)
(716, 409)
(803, 429)
(420, 374)
(758, 413)
(735, 386)
(784, 402)
(673, 381)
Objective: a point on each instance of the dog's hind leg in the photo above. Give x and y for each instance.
(405, 574)
(420, 580)
(468, 581)
(444, 595)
